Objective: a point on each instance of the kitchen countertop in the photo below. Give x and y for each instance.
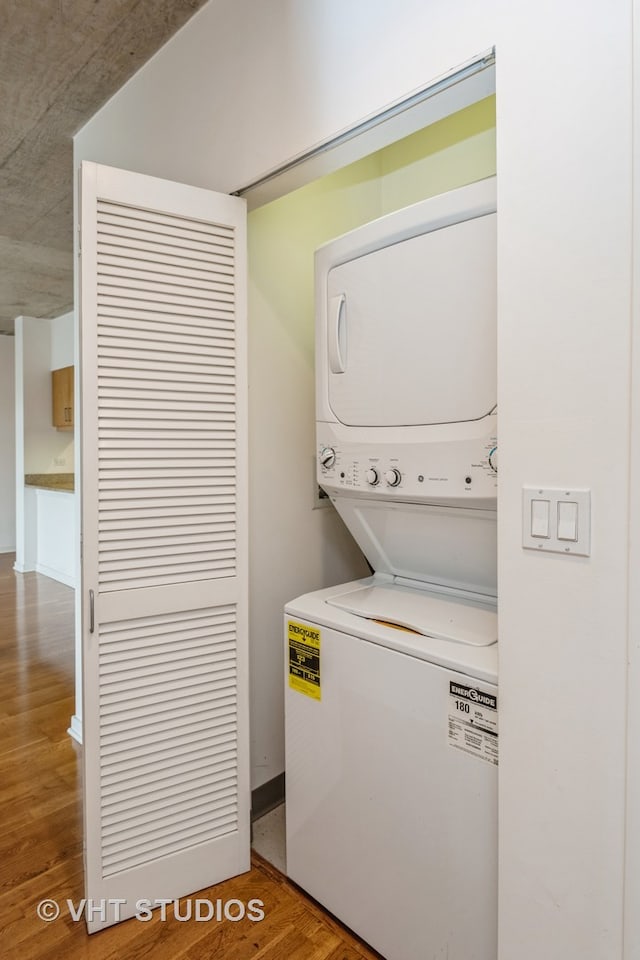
(51, 481)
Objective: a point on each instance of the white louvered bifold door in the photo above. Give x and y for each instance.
(164, 530)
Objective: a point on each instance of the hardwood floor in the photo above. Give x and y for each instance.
(41, 822)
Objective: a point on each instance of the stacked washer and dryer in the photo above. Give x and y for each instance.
(391, 696)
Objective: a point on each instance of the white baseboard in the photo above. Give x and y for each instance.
(75, 729)
(23, 567)
(55, 574)
(7, 549)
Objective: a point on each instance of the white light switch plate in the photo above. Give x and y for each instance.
(581, 546)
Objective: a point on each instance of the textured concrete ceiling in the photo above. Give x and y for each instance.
(60, 60)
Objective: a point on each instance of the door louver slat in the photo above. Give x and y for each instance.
(141, 715)
(150, 734)
(139, 308)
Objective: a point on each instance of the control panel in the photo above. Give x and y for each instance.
(463, 470)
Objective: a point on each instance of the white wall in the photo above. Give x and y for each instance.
(40, 347)
(632, 871)
(63, 355)
(44, 344)
(245, 86)
(564, 201)
(62, 341)
(7, 446)
(41, 442)
(33, 432)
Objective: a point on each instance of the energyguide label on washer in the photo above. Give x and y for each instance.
(473, 721)
(304, 659)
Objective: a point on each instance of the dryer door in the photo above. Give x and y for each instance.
(415, 329)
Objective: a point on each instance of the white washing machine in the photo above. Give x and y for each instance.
(391, 682)
(391, 775)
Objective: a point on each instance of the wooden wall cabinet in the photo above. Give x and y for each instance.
(62, 398)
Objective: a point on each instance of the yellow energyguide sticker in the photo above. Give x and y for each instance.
(304, 659)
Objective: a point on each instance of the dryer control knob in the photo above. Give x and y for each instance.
(327, 457)
(393, 477)
(493, 459)
(372, 477)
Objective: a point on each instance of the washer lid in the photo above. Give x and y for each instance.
(427, 612)
(452, 547)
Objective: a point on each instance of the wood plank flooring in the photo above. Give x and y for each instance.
(41, 821)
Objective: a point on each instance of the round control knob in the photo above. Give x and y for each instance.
(393, 477)
(371, 476)
(493, 459)
(327, 457)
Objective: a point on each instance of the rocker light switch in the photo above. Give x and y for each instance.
(567, 520)
(539, 518)
(557, 521)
